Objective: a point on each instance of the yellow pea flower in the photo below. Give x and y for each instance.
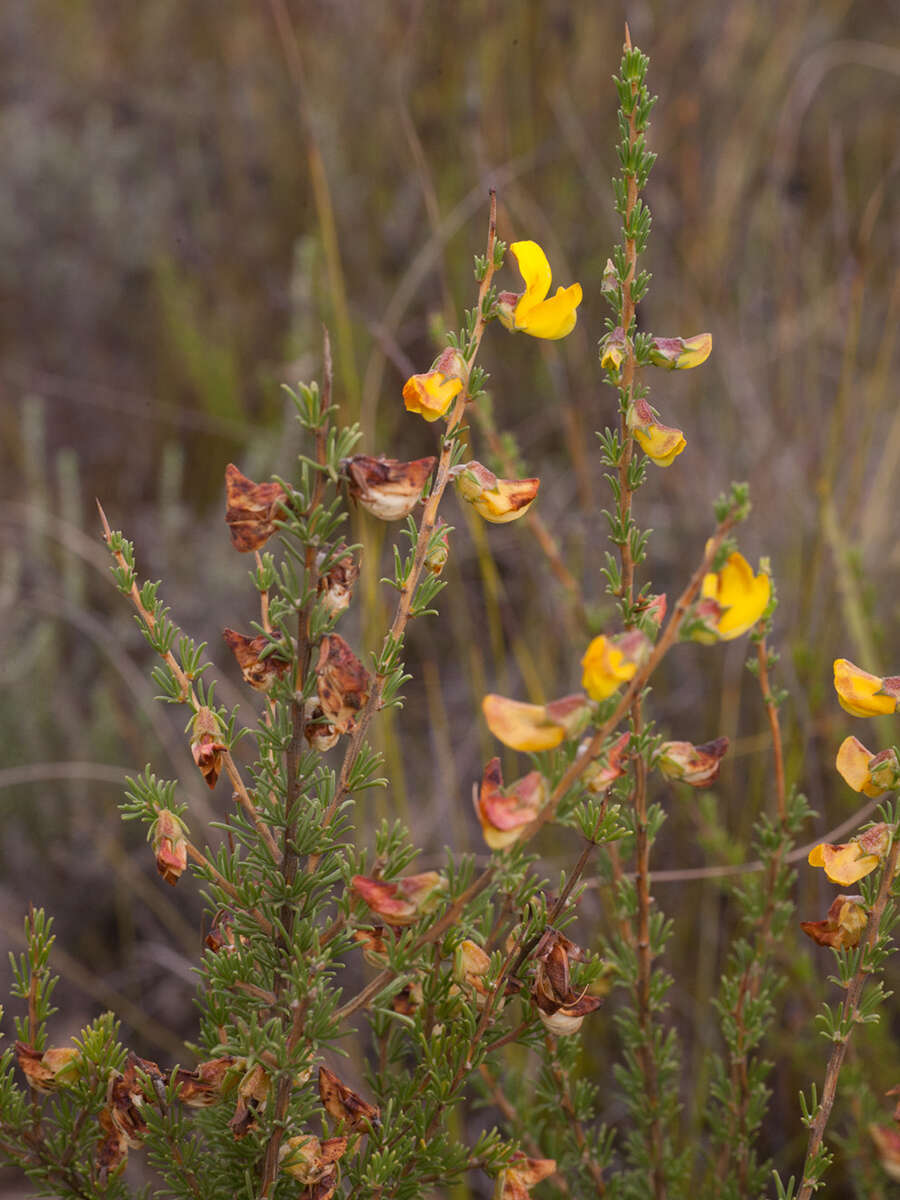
(531, 311)
(678, 354)
(497, 500)
(612, 350)
(862, 694)
(853, 765)
(431, 393)
(661, 443)
(535, 727)
(848, 862)
(741, 595)
(608, 663)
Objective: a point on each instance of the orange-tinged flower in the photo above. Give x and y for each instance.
(167, 837)
(862, 694)
(848, 862)
(854, 761)
(843, 927)
(401, 901)
(531, 311)
(680, 353)
(741, 596)
(431, 393)
(535, 727)
(607, 767)
(517, 1179)
(497, 500)
(206, 744)
(696, 765)
(250, 509)
(386, 488)
(661, 443)
(610, 662)
(505, 812)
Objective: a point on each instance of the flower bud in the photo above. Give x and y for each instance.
(344, 1105)
(661, 443)
(438, 547)
(251, 509)
(613, 349)
(843, 927)
(848, 862)
(854, 765)
(696, 765)
(504, 813)
(609, 281)
(387, 488)
(169, 845)
(610, 662)
(653, 609)
(343, 682)
(336, 584)
(496, 500)
(470, 969)
(401, 901)
(260, 673)
(205, 744)
(862, 694)
(431, 394)
(680, 353)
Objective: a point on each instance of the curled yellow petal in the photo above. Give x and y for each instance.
(534, 313)
(431, 394)
(606, 668)
(496, 500)
(852, 763)
(521, 726)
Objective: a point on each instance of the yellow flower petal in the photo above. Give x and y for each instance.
(743, 595)
(852, 763)
(605, 669)
(521, 726)
(430, 394)
(660, 443)
(551, 319)
(535, 270)
(857, 691)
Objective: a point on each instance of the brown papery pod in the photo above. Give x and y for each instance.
(387, 488)
(260, 673)
(342, 1103)
(343, 682)
(250, 509)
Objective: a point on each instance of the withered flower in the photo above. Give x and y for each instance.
(847, 862)
(847, 918)
(314, 1163)
(207, 1084)
(497, 500)
(696, 765)
(167, 838)
(401, 901)
(517, 1179)
(336, 585)
(470, 969)
(505, 812)
(206, 744)
(887, 1145)
(221, 933)
(260, 673)
(342, 1103)
(49, 1070)
(253, 1092)
(251, 509)
(343, 682)
(388, 489)
(121, 1121)
(320, 734)
(561, 1009)
(374, 946)
(409, 999)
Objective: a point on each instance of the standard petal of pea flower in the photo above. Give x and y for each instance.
(532, 311)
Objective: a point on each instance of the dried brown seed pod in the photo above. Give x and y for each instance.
(250, 509)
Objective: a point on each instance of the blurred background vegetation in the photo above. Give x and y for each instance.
(190, 188)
